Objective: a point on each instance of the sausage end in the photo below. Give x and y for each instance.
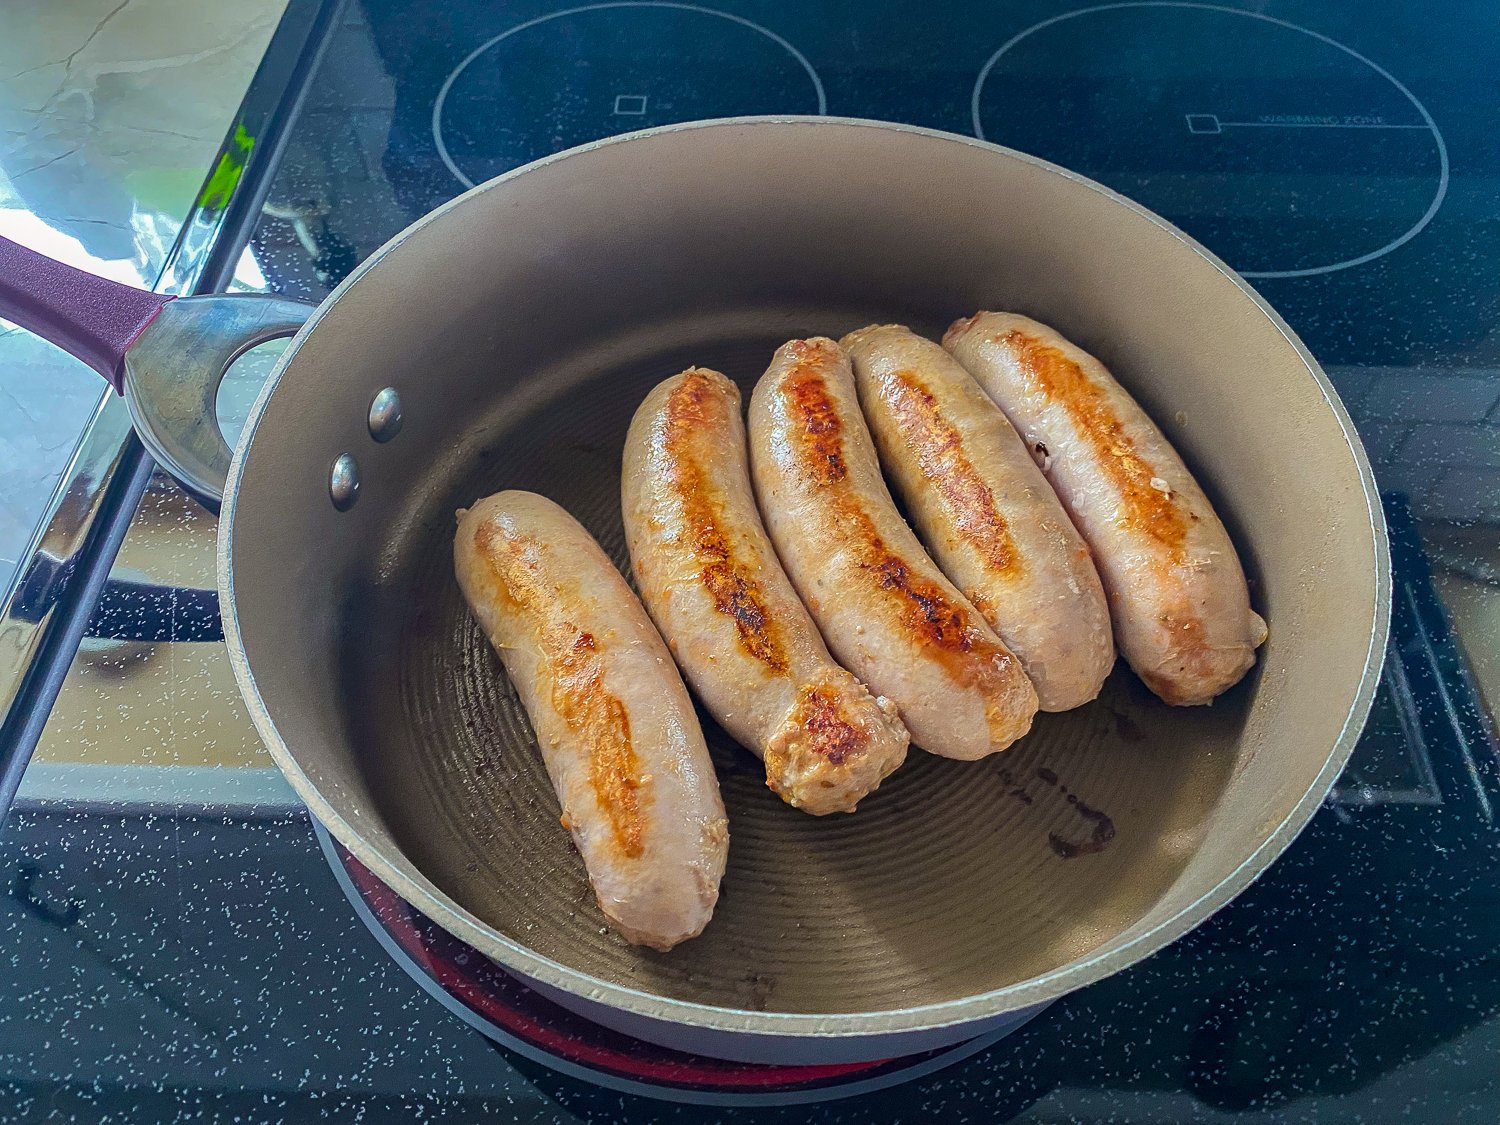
(836, 745)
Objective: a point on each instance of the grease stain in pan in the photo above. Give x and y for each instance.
(1101, 828)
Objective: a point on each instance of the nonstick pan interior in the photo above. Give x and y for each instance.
(953, 878)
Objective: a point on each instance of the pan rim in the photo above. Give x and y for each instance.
(820, 1026)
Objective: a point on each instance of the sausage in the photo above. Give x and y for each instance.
(1177, 592)
(989, 517)
(884, 608)
(616, 728)
(711, 581)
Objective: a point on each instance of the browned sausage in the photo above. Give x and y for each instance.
(989, 517)
(885, 609)
(1177, 593)
(612, 718)
(712, 583)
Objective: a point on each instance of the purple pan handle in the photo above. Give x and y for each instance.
(90, 317)
(176, 359)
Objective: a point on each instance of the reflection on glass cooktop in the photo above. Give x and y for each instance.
(1344, 157)
(1329, 155)
(1286, 151)
(590, 72)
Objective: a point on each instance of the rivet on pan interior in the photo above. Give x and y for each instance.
(343, 482)
(385, 415)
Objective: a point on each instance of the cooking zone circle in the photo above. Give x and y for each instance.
(1286, 152)
(578, 75)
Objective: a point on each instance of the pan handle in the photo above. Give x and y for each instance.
(89, 317)
(166, 355)
(173, 372)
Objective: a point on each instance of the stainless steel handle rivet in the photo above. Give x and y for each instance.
(385, 415)
(343, 482)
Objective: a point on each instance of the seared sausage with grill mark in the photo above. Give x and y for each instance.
(613, 720)
(1177, 592)
(711, 581)
(885, 609)
(984, 510)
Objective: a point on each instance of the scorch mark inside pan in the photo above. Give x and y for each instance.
(1143, 505)
(735, 594)
(1099, 826)
(579, 697)
(968, 499)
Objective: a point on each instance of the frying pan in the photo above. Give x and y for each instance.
(504, 340)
